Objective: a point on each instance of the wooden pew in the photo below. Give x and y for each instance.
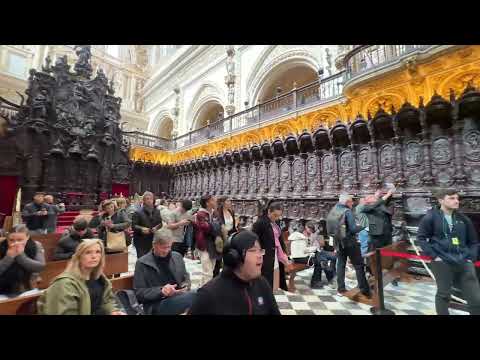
(26, 305)
(49, 243)
(114, 264)
(396, 270)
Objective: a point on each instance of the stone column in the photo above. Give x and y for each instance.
(230, 80)
(176, 112)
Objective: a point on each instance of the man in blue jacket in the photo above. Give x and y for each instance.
(450, 239)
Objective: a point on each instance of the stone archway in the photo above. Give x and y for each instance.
(278, 62)
(282, 78)
(165, 128)
(210, 112)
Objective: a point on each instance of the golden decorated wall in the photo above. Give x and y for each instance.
(453, 70)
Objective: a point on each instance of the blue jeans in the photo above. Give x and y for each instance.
(174, 305)
(322, 258)
(364, 240)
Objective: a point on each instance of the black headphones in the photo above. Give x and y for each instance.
(231, 256)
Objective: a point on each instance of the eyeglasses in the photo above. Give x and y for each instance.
(257, 250)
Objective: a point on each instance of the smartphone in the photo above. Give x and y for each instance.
(180, 287)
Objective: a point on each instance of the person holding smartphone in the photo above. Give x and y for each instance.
(161, 281)
(35, 214)
(179, 219)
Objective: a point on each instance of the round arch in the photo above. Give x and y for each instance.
(209, 110)
(154, 126)
(207, 93)
(295, 58)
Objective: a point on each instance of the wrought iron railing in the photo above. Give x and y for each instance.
(366, 57)
(297, 99)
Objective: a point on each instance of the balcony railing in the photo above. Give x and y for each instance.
(312, 94)
(147, 140)
(366, 57)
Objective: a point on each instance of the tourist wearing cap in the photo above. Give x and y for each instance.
(240, 289)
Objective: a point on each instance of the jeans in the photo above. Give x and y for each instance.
(463, 276)
(174, 305)
(364, 240)
(321, 263)
(352, 252)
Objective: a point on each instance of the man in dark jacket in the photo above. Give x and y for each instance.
(35, 214)
(144, 223)
(71, 238)
(341, 224)
(240, 289)
(379, 220)
(161, 281)
(450, 239)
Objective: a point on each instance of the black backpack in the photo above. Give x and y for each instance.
(129, 302)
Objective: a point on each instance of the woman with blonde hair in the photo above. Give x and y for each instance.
(82, 289)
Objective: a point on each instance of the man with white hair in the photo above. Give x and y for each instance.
(341, 225)
(161, 281)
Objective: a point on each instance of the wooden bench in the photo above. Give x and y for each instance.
(114, 264)
(49, 243)
(26, 305)
(294, 268)
(396, 269)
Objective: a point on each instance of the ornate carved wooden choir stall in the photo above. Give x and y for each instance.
(417, 148)
(65, 138)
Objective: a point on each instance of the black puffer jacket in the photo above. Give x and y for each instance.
(68, 243)
(229, 295)
(435, 238)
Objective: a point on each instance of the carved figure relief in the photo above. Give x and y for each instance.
(364, 160)
(413, 154)
(441, 153)
(261, 180)
(387, 157)
(471, 141)
(346, 162)
(327, 164)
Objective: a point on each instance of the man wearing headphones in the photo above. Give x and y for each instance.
(240, 289)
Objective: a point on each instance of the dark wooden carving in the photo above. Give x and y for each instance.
(417, 148)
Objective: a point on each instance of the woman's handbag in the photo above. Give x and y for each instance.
(219, 244)
(116, 241)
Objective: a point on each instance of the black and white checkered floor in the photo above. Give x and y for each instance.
(405, 299)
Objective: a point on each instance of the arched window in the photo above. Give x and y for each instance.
(113, 50)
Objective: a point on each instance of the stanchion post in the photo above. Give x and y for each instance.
(379, 277)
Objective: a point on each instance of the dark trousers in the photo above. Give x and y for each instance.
(353, 253)
(324, 261)
(218, 267)
(379, 241)
(179, 247)
(462, 276)
(142, 246)
(174, 305)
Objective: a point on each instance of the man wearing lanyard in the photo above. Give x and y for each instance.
(450, 239)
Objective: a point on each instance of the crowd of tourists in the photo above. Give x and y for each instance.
(241, 266)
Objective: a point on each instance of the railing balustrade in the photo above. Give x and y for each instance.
(366, 57)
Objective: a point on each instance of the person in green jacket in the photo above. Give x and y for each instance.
(82, 289)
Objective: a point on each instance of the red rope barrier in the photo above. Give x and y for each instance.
(386, 252)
